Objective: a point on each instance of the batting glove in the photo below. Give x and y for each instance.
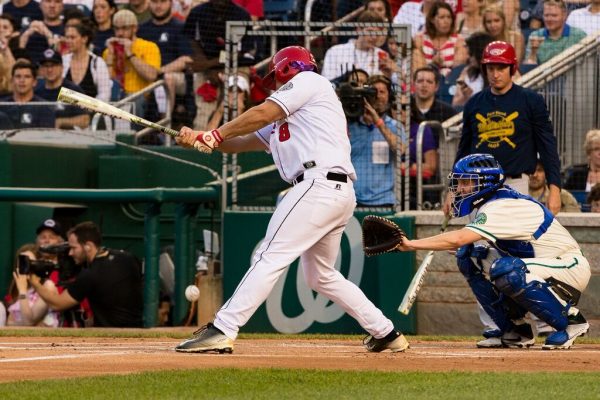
(206, 142)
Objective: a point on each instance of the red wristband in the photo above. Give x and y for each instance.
(211, 139)
(380, 122)
(217, 135)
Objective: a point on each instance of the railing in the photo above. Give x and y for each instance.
(166, 121)
(419, 149)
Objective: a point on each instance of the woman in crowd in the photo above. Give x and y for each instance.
(83, 67)
(26, 307)
(494, 24)
(439, 44)
(381, 8)
(585, 176)
(468, 21)
(102, 14)
(510, 8)
(9, 32)
(472, 79)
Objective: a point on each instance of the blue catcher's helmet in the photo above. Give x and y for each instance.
(485, 175)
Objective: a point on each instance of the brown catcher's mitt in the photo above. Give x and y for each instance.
(380, 235)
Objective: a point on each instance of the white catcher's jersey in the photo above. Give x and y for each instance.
(314, 134)
(518, 219)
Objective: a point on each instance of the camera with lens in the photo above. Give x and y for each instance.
(353, 96)
(67, 269)
(41, 268)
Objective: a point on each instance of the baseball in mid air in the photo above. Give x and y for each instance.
(192, 293)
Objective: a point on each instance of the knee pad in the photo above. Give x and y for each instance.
(509, 276)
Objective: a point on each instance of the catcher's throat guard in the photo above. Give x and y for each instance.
(380, 235)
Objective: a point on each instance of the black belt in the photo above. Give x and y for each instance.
(331, 176)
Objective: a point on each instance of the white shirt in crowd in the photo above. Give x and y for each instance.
(585, 20)
(340, 58)
(410, 13)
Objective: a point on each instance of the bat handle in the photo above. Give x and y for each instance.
(170, 132)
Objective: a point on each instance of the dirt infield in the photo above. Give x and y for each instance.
(63, 357)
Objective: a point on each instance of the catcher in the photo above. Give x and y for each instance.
(538, 267)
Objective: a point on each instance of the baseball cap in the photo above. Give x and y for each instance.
(124, 18)
(49, 224)
(49, 55)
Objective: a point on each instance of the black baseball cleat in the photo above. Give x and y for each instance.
(394, 341)
(520, 336)
(208, 338)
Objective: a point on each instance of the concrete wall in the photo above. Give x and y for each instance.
(446, 305)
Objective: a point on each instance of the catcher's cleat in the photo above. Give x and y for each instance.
(493, 339)
(208, 338)
(578, 326)
(490, 343)
(394, 341)
(520, 336)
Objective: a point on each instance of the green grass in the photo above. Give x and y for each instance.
(311, 384)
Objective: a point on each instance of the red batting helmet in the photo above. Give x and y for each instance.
(499, 52)
(286, 63)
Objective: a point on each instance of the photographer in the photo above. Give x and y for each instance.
(51, 245)
(374, 140)
(110, 279)
(26, 307)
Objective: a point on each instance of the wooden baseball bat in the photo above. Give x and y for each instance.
(89, 103)
(415, 285)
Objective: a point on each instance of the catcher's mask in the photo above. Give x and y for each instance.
(472, 180)
(288, 62)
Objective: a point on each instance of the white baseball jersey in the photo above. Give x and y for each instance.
(518, 219)
(294, 143)
(555, 253)
(309, 221)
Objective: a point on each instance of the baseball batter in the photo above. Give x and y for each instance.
(539, 268)
(303, 126)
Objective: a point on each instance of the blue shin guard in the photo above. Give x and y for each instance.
(482, 288)
(508, 275)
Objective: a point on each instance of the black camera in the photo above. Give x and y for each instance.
(41, 268)
(353, 96)
(59, 249)
(67, 269)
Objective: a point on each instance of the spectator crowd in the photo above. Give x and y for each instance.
(109, 49)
